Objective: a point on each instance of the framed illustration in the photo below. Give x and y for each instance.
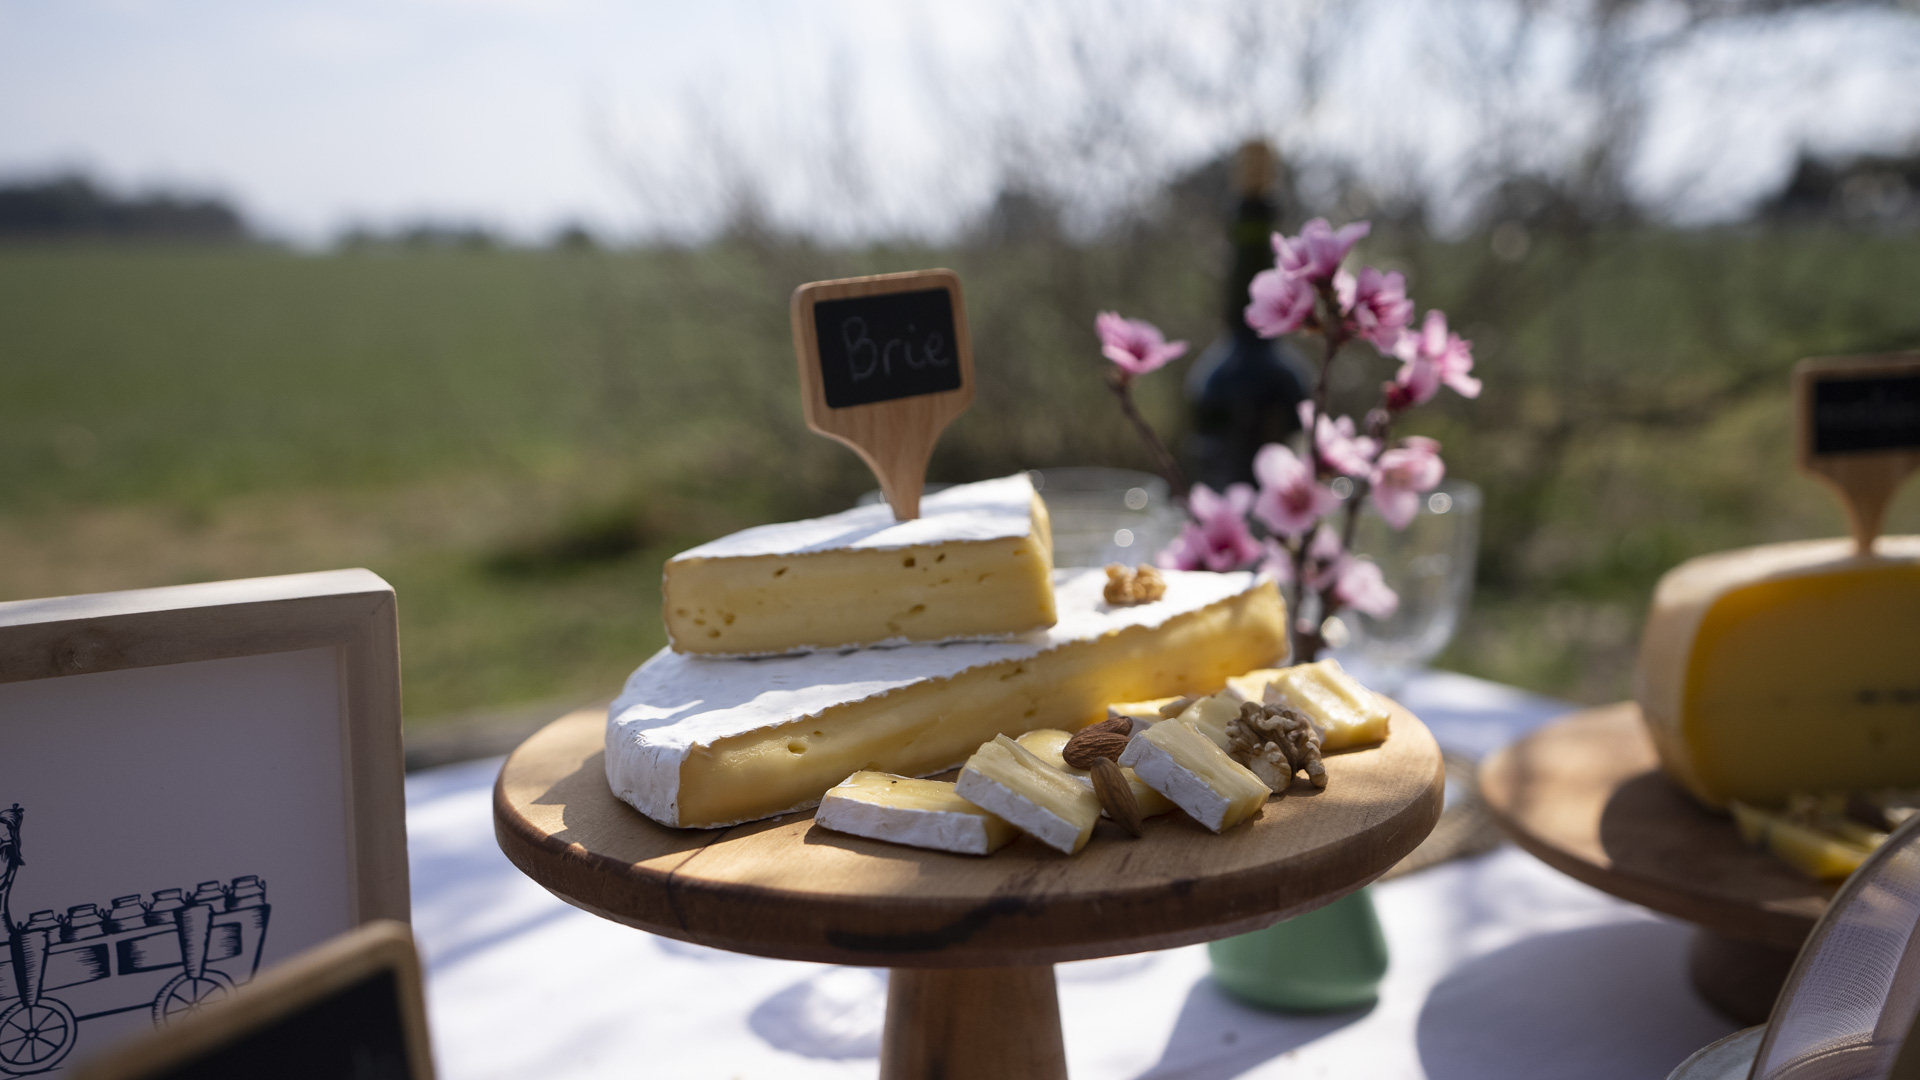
(195, 783)
(351, 1007)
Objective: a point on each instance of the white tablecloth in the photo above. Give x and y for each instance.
(1500, 967)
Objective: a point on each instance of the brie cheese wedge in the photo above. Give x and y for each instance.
(1006, 779)
(702, 742)
(1179, 761)
(974, 564)
(918, 813)
(1047, 744)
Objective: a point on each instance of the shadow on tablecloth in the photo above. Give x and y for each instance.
(1217, 1037)
(1607, 1002)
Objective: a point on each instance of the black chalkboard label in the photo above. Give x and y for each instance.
(886, 347)
(1864, 415)
(355, 1031)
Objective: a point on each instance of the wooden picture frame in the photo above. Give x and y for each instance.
(359, 994)
(894, 433)
(243, 732)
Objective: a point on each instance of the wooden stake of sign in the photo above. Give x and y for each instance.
(885, 364)
(1857, 427)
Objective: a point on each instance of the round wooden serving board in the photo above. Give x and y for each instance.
(784, 889)
(1585, 794)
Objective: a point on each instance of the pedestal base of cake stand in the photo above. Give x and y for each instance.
(1740, 978)
(955, 1022)
(970, 941)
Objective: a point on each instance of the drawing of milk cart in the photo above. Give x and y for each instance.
(170, 955)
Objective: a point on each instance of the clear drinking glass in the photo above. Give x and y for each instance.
(1103, 516)
(1430, 564)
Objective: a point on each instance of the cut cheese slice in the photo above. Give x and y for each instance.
(1785, 668)
(1345, 713)
(696, 741)
(1144, 714)
(975, 564)
(918, 813)
(1048, 745)
(1179, 761)
(1806, 850)
(1007, 779)
(1210, 715)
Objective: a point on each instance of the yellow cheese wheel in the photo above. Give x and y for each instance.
(1786, 667)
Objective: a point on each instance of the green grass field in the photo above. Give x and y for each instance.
(517, 439)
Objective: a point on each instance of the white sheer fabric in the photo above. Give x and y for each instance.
(1855, 990)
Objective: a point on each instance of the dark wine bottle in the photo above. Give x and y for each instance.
(1244, 390)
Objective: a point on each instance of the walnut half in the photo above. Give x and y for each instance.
(1133, 585)
(1275, 742)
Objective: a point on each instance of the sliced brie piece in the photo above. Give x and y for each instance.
(1345, 713)
(1048, 745)
(1209, 715)
(975, 564)
(918, 813)
(1007, 779)
(1144, 714)
(703, 742)
(1179, 761)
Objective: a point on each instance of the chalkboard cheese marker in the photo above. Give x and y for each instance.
(885, 364)
(348, 1007)
(1858, 429)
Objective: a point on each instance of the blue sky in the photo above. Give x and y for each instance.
(523, 113)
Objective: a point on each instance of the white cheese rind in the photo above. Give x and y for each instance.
(940, 830)
(989, 510)
(1183, 788)
(677, 704)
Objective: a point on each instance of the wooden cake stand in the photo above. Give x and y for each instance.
(1586, 795)
(970, 940)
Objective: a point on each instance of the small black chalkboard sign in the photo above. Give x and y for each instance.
(1862, 414)
(885, 365)
(1857, 428)
(887, 346)
(349, 1009)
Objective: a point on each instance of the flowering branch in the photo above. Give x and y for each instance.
(1137, 347)
(1341, 466)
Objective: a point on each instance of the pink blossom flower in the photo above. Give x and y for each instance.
(1359, 585)
(1278, 563)
(1217, 537)
(1317, 252)
(1402, 474)
(1289, 502)
(1134, 344)
(1279, 303)
(1429, 358)
(1344, 451)
(1377, 307)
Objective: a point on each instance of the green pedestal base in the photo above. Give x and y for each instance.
(1323, 961)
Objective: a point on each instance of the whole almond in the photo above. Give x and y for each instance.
(1090, 746)
(1116, 795)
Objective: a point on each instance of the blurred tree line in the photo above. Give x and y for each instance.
(1635, 410)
